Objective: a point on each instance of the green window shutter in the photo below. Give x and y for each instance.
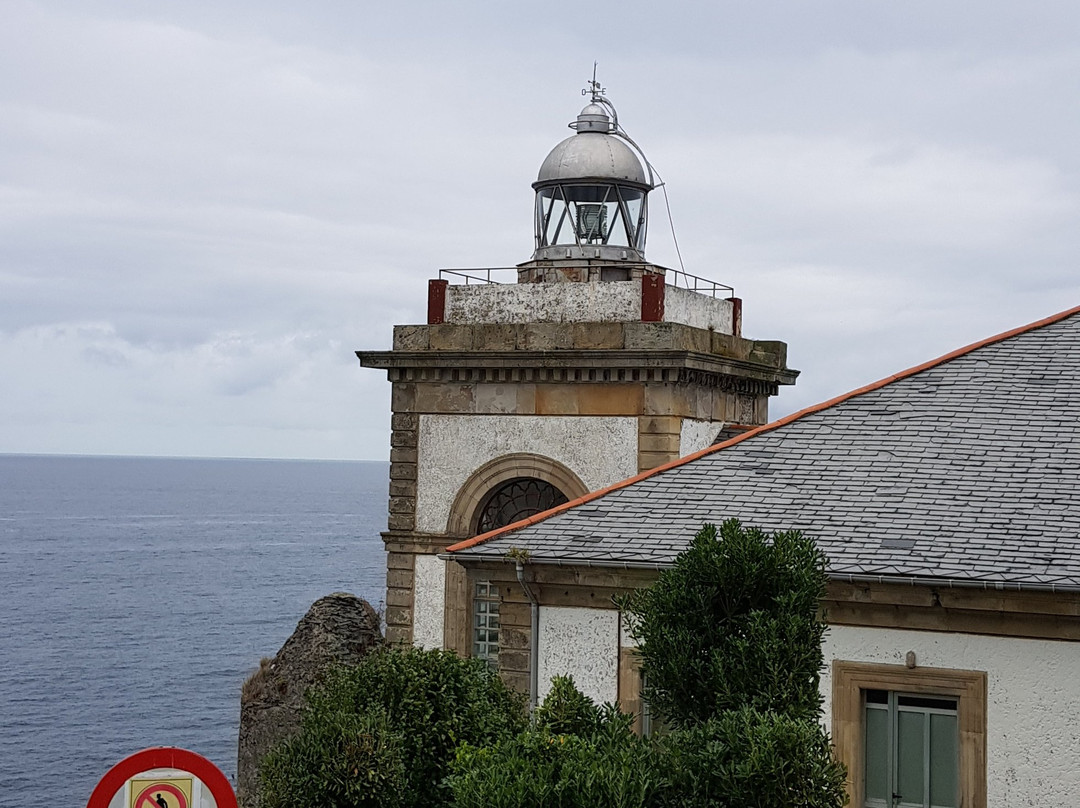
(877, 754)
(910, 756)
(944, 760)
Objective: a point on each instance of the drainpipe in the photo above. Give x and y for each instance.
(534, 638)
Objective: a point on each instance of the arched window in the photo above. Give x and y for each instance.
(491, 488)
(515, 500)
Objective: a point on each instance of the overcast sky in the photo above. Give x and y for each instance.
(206, 207)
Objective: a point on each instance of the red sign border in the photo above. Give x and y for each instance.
(163, 757)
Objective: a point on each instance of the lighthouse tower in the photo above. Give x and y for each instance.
(533, 385)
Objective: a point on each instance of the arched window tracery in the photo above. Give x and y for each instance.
(515, 500)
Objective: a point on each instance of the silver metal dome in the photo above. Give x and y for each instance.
(590, 155)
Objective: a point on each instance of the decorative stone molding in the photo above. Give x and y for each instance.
(463, 512)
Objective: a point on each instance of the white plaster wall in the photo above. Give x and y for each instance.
(429, 601)
(583, 643)
(694, 435)
(697, 310)
(1033, 703)
(594, 302)
(600, 450)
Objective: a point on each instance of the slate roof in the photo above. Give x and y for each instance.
(967, 467)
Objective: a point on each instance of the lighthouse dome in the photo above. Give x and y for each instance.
(593, 154)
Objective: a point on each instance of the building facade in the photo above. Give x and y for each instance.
(590, 366)
(947, 501)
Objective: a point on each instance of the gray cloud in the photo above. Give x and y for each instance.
(205, 207)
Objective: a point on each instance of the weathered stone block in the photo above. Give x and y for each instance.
(610, 399)
(660, 424)
(730, 346)
(514, 640)
(495, 337)
(399, 579)
(665, 443)
(402, 471)
(591, 336)
(410, 337)
(403, 454)
(501, 399)
(402, 504)
(648, 336)
(441, 397)
(667, 399)
(398, 616)
(401, 521)
(556, 399)
(513, 660)
(650, 460)
(546, 337)
(399, 597)
(399, 635)
(405, 421)
(770, 352)
(403, 488)
(450, 337)
(400, 561)
(403, 397)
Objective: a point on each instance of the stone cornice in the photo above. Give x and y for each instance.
(605, 365)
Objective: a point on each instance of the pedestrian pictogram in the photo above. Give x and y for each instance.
(162, 792)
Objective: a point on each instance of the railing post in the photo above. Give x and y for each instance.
(436, 301)
(652, 298)
(736, 316)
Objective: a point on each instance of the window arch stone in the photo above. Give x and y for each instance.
(465, 511)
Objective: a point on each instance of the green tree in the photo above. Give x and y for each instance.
(406, 709)
(730, 643)
(733, 623)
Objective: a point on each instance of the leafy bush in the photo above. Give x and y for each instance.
(733, 623)
(430, 701)
(577, 754)
(349, 760)
(747, 759)
(566, 710)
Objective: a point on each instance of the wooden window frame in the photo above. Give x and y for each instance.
(850, 679)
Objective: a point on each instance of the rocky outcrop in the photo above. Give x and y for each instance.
(338, 629)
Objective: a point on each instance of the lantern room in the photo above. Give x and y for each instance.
(592, 191)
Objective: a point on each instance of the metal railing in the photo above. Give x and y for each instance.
(481, 275)
(697, 284)
(672, 277)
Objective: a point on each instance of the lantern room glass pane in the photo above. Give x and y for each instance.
(877, 753)
(597, 213)
(944, 760)
(910, 757)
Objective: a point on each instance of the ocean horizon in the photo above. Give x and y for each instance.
(138, 593)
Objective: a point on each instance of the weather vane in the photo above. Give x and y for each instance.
(594, 86)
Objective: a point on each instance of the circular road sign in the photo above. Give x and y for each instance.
(163, 757)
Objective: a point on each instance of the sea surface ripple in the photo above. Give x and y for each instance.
(137, 594)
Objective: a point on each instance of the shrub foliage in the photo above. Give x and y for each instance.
(734, 623)
(418, 705)
(577, 755)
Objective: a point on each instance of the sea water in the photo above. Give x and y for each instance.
(137, 594)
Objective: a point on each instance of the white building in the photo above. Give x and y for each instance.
(947, 500)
